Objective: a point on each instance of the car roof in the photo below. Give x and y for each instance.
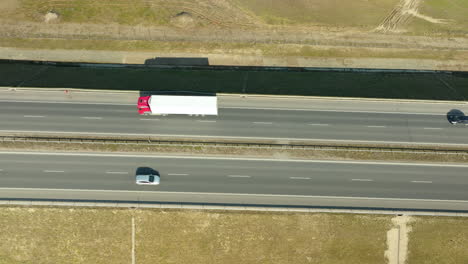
(146, 178)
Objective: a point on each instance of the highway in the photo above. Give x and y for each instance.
(236, 122)
(115, 173)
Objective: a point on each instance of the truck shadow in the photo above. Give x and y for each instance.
(177, 61)
(181, 93)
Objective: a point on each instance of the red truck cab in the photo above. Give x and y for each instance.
(143, 105)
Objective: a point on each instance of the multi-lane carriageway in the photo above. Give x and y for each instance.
(258, 118)
(107, 177)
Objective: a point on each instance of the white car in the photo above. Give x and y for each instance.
(147, 179)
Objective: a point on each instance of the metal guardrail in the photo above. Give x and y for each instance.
(154, 142)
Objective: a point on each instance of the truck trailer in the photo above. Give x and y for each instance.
(177, 105)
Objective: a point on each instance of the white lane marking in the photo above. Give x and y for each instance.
(377, 126)
(433, 128)
(116, 172)
(318, 124)
(149, 119)
(421, 181)
(234, 137)
(239, 176)
(33, 116)
(177, 174)
(363, 180)
(91, 117)
(299, 178)
(236, 194)
(331, 110)
(263, 123)
(53, 171)
(232, 158)
(207, 121)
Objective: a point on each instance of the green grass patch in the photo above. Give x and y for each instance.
(358, 13)
(435, 240)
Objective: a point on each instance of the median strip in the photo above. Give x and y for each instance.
(307, 150)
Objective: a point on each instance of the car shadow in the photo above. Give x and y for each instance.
(146, 171)
(453, 114)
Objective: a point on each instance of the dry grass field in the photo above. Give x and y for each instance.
(39, 235)
(80, 235)
(407, 29)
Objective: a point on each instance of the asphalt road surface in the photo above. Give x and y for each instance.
(234, 122)
(235, 176)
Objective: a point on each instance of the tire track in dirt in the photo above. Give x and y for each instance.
(401, 14)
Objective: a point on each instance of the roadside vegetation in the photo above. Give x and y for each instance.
(220, 150)
(360, 29)
(99, 235)
(104, 235)
(438, 240)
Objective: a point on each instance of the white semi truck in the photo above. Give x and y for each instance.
(177, 105)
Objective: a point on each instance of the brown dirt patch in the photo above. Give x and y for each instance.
(183, 20)
(8, 5)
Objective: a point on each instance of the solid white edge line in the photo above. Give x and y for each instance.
(331, 110)
(299, 178)
(149, 119)
(236, 194)
(239, 176)
(231, 158)
(263, 123)
(206, 121)
(318, 124)
(240, 137)
(377, 126)
(433, 128)
(364, 180)
(52, 171)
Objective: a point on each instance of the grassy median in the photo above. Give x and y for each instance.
(206, 150)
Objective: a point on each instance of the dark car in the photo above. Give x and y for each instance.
(458, 119)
